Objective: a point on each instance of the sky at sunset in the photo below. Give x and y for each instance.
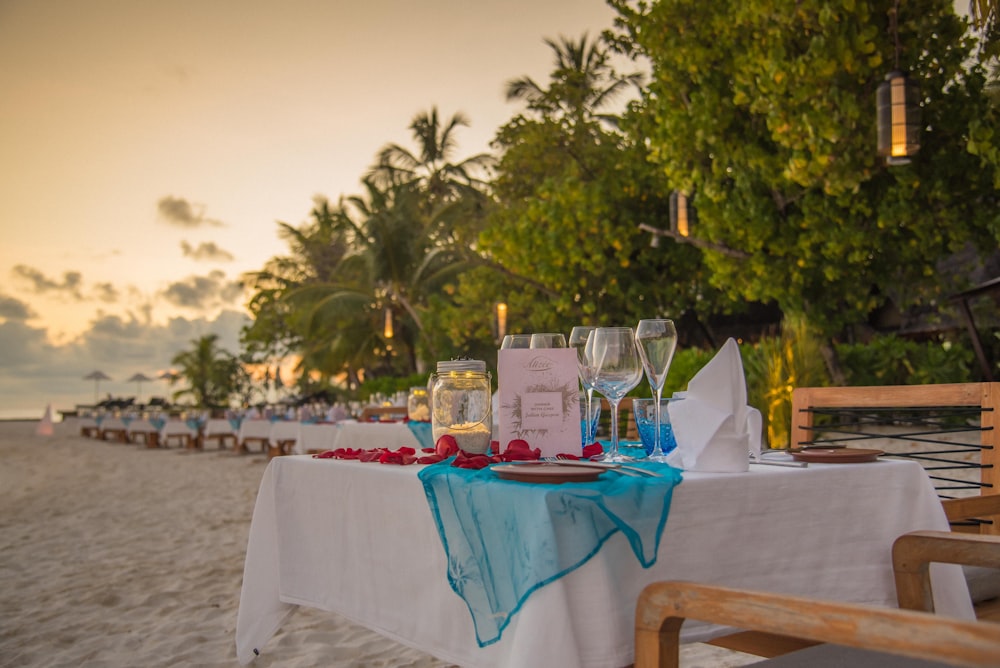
(149, 149)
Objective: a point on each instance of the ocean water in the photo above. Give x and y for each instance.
(7, 414)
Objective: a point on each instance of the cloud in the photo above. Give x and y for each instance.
(40, 284)
(12, 308)
(204, 292)
(182, 213)
(206, 251)
(37, 372)
(106, 293)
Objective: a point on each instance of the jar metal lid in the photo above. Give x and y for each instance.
(461, 365)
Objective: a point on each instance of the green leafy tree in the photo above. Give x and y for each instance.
(564, 244)
(765, 113)
(212, 374)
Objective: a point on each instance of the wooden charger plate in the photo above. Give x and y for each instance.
(550, 473)
(837, 455)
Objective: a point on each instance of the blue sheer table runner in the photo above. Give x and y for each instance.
(422, 432)
(505, 539)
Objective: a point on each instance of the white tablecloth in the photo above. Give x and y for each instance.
(358, 539)
(255, 429)
(112, 423)
(176, 428)
(140, 426)
(319, 436)
(218, 427)
(364, 436)
(283, 431)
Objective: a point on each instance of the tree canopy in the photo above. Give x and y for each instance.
(762, 112)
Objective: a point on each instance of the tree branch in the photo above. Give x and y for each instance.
(697, 243)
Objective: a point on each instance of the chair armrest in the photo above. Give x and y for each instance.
(986, 505)
(913, 553)
(663, 607)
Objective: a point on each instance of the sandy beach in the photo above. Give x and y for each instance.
(119, 555)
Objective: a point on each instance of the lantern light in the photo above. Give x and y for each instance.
(501, 320)
(682, 214)
(387, 330)
(898, 102)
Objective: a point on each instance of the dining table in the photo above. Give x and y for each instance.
(360, 539)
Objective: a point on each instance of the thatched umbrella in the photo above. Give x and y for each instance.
(139, 379)
(97, 377)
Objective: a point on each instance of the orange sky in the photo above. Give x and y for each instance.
(150, 147)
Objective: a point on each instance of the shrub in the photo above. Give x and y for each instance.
(891, 360)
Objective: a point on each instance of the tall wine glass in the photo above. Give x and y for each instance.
(656, 340)
(547, 340)
(578, 341)
(616, 371)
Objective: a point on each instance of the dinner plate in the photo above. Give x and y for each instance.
(547, 473)
(837, 455)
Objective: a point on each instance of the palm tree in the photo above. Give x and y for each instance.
(582, 82)
(211, 372)
(388, 251)
(399, 258)
(441, 180)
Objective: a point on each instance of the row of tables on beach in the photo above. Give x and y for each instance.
(274, 436)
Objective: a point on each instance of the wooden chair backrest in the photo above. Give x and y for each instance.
(985, 396)
(370, 413)
(627, 429)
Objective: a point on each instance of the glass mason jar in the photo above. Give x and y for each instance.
(418, 406)
(461, 404)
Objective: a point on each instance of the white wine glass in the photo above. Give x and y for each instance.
(617, 370)
(515, 341)
(547, 340)
(578, 341)
(656, 339)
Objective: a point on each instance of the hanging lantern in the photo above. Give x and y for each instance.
(682, 214)
(898, 101)
(387, 331)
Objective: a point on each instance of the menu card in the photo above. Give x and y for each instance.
(540, 399)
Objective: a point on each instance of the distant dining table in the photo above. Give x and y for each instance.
(360, 539)
(362, 435)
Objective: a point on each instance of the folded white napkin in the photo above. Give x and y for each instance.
(714, 427)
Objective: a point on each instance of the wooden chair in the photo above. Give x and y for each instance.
(963, 399)
(983, 585)
(912, 553)
(663, 607)
(914, 633)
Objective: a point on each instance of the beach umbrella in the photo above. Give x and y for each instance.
(139, 379)
(97, 377)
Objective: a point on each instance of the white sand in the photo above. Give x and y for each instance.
(119, 555)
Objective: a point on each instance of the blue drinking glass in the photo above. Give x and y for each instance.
(645, 421)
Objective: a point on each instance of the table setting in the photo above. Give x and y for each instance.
(533, 552)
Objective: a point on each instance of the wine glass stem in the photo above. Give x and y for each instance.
(614, 428)
(588, 423)
(657, 445)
